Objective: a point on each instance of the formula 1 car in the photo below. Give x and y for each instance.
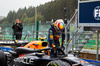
(38, 56)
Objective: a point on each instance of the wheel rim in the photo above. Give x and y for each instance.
(52, 64)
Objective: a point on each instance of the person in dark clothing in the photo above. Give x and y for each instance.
(55, 31)
(17, 27)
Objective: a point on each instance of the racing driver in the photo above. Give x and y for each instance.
(55, 32)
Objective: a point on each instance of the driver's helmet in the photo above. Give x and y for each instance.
(59, 25)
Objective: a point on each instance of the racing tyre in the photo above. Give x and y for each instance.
(66, 63)
(58, 63)
(3, 61)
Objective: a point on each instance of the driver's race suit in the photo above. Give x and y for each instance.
(53, 37)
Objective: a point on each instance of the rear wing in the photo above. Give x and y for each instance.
(13, 42)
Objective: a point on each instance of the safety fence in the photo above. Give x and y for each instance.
(91, 44)
(6, 33)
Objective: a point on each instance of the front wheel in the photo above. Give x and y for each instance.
(58, 63)
(3, 61)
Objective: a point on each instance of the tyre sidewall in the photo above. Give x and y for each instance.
(3, 61)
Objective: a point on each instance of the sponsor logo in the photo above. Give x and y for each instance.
(24, 60)
(97, 13)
